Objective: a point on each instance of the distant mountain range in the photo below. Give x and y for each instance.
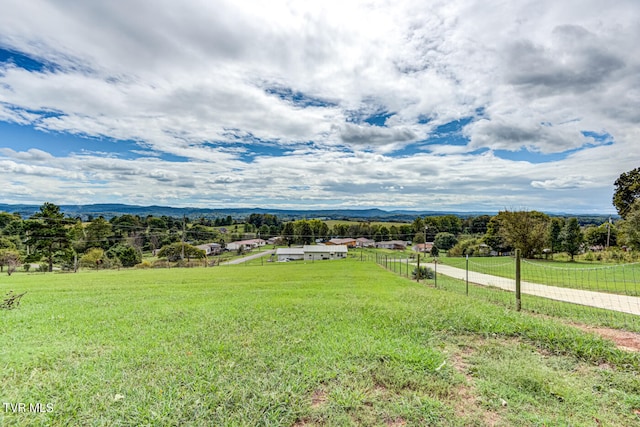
(110, 210)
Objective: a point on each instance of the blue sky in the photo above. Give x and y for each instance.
(456, 105)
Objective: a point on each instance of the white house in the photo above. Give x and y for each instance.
(318, 252)
(289, 254)
(211, 248)
(392, 244)
(312, 252)
(246, 244)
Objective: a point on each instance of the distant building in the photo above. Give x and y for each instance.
(246, 244)
(211, 248)
(289, 254)
(422, 247)
(348, 242)
(312, 253)
(363, 242)
(392, 244)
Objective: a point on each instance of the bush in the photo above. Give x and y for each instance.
(422, 273)
(161, 263)
(466, 247)
(128, 255)
(144, 264)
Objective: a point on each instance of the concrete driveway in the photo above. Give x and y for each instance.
(621, 303)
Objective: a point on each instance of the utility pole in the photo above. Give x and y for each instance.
(608, 231)
(184, 219)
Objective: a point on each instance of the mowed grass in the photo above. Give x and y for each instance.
(613, 278)
(295, 344)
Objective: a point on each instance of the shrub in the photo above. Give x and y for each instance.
(422, 273)
(128, 255)
(466, 247)
(144, 264)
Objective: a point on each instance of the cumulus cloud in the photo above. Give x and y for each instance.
(575, 61)
(367, 135)
(213, 84)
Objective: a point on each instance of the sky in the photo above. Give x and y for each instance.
(453, 105)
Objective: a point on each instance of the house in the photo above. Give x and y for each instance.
(319, 252)
(363, 242)
(289, 254)
(392, 244)
(348, 242)
(422, 247)
(246, 244)
(211, 248)
(312, 253)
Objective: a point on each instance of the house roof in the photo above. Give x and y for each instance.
(325, 249)
(208, 246)
(342, 241)
(248, 242)
(290, 251)
(393, 242)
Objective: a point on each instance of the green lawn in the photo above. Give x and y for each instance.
(614, 278)
(325, 343)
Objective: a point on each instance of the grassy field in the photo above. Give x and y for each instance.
(295, 344)
(614, 278)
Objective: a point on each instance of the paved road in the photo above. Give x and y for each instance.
(249, 257)
(622, 303)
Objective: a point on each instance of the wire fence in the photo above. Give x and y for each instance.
(607, 295)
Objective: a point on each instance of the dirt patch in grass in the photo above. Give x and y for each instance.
(318, 399)
(467, 404)
(624, 340)
(398, 422)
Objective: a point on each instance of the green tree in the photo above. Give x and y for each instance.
(449, 224)
(93, 258)
(599, 235)
(478, 224)
(6, 243)
(128, 255)
(384, 232)
(435, 251)
(6, 218)
(445, 241)
(288, 232)
(47, 232)
(303, 232)
(627, 191)
(99, 233)
(494, 238)
(524, 230)
(174, 251)
(630, 227)
(572, 237)
(127, 225)
(555, 228)
(418, 225)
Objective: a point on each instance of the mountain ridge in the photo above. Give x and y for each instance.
(109, 210)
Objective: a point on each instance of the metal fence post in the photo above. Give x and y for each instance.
(435, 273)
(518, 273)
(418, 270)
(467, 279)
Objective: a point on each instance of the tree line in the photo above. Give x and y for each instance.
(49, 237)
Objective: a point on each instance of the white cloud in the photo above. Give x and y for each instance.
(206, 81)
